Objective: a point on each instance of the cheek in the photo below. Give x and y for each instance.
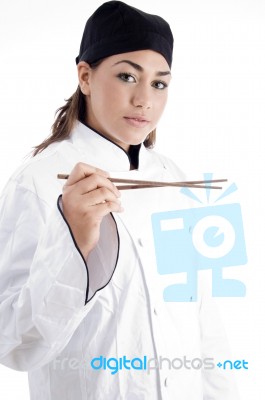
(99, 99)
(109, 95)
(160, 106)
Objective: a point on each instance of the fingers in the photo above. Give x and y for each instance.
(85, 206)
(100, 196)
(88, 196)
(98, 211)
(82, 170)
(90, 187)
(103, 209)
(92, 182)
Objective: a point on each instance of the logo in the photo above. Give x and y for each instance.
(206, 237)
(148, 364)
(123, 364)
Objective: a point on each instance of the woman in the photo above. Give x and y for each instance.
(82, 306)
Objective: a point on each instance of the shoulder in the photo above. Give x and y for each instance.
(38, 175)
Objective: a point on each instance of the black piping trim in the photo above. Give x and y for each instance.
(109, 140)
(79, 251)
(116, 262)
(117, 258)
(104, 137)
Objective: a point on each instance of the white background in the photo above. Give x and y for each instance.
(214, 122)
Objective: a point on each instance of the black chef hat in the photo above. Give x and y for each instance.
(116, 27)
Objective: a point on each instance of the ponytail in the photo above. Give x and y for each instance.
(67, 115)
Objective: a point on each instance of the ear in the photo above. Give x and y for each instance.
(84, 72)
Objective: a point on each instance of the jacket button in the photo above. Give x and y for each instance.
(140, 242)
(155, 311)
(166, 382)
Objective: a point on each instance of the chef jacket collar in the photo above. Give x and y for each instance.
(113, 156)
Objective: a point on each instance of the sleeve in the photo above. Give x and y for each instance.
(43, 280)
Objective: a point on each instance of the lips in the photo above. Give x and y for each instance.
(137, 121)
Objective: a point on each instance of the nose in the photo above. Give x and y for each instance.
(142, 98)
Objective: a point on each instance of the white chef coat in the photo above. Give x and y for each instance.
(59, 311)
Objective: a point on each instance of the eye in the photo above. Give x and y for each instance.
(126, 77)
(160, 85)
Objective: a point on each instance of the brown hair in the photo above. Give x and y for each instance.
(67, 115)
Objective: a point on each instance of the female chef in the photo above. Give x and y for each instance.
(81, 300)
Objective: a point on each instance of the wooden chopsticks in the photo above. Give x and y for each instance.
(140, 184)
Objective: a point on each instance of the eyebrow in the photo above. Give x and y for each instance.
(139, 68)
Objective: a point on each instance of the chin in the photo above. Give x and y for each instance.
(137, 140)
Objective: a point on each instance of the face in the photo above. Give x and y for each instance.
(126, 95)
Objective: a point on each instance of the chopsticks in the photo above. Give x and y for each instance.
(141, 184)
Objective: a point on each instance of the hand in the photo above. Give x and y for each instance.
(88, 196)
